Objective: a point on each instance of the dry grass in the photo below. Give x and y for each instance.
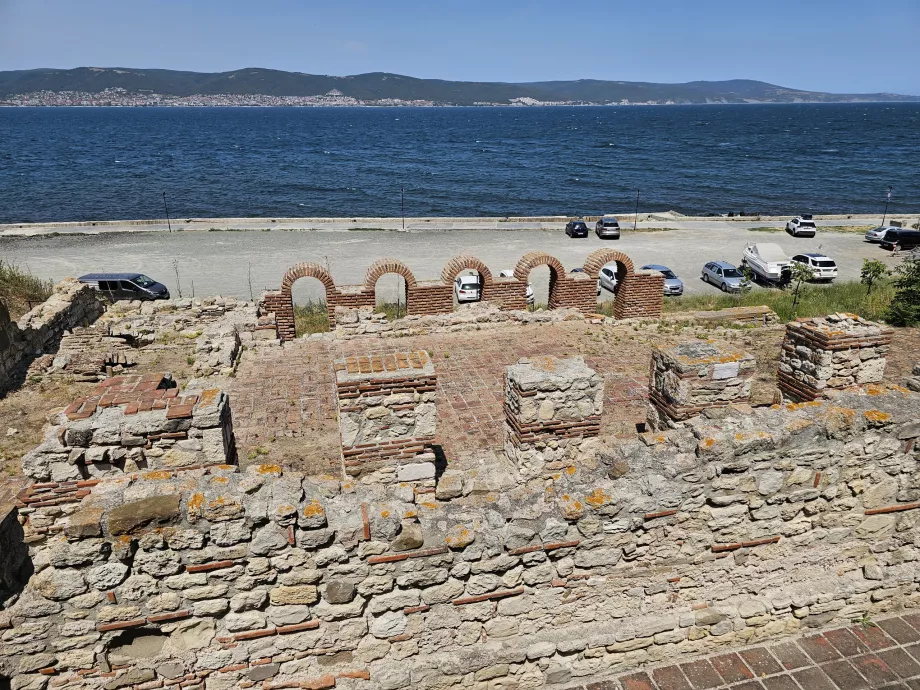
(20, 290)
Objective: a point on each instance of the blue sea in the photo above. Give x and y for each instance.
(61, 164)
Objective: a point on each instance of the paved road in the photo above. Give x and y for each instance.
(224, 262)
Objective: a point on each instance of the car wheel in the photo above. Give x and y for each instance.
(723, 287)
(705, 279)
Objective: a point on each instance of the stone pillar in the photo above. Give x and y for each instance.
(551, 407)
(831, 352)
(387, 415)
(687, 378)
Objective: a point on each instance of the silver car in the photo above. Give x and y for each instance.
(672, 284)
(607, 228)
(724, 276)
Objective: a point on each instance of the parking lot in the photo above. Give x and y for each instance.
(228, 262)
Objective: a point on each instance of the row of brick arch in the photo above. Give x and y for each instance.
(639, 294)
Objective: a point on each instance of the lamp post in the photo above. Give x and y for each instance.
(636, 222)
(166, 208)
(403, 206)
(887, 200)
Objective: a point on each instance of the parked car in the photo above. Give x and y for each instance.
(801, 226)
(724, 276)
(822, 267)
(876, 234)
(607, 228)
(904, 239)
(768, 262)
(672, 284)
(576, 228)
(467, 288)
(118, 286)
(607, 279)
(509, 273)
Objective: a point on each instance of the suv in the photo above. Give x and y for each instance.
(724, 276)
(903, 239)
(801, 226)
(876, 234)
(576, 228)
(607, 228)
(116, 286)
(822, 267)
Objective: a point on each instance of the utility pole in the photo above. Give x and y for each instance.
(887, 200)
(636, 222)
(403, 205)
(168, 225)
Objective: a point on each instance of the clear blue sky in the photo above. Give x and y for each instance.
(823, 45)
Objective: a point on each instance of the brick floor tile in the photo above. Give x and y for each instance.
(748, 685)
(670, 678)
(844, 675)
(873, 637)
(782, 682)
(874, 669)
(790, 656)
(900, 662)
(760, 661)
(913, 619)
(602, 685)
(813, 679)
(819, 649)
(637, 681)
(900, 630)
(913, 684)
(731, 668)
(914, 651)
(701, 674)
(846, 642)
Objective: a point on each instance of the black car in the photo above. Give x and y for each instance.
(904, 239)
(117, 286)
(576, 228)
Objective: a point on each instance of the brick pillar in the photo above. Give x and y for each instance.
(831, 352)
(641, 294)
(551, 407)
(387, 415)
(687, 378)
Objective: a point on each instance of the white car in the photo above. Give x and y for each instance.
(467, 288)
(822, 267)
(876, 234)
(608, 279)
(801, 226)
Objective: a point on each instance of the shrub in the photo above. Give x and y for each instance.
(20, 290)
(310, 318)
(905, 305)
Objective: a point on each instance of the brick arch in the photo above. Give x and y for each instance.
(531, 260)
(307, 270)
(597, 260)
(382, 267)
(463, 262)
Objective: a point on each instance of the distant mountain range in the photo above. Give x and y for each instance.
(381, 86)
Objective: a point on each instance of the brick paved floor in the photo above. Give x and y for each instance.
(881, 656)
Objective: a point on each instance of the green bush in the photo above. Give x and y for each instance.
(310, 318)
(905, 305)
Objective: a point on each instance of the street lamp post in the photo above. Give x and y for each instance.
(887, 200)
(166, 208)
(636, 222)
(403, 206)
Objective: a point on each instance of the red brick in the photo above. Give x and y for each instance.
(254, 634)
(163, 617)
(121, 625)
(900, 630)
(670, 678)
(286, 629)
(637, 681)
(788, 654)
(900, 662)
(819, 649)
(205, 567)
(388, 558)
(361, 674)
(486, 597)
(844, 675)
(731, 668)
(846, 642)
(659, 514)
(872, 636)
(782, 682)
(701, 674)
(813, 679)
(874, 669)
(760, 661)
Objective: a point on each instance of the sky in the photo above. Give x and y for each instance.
(841, 46)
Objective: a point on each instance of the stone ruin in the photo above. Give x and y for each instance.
(688, 378)
(387, 415)
(831, 352)
(154, 560)
(551, 407)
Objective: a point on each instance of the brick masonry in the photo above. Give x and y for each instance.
(639, 294)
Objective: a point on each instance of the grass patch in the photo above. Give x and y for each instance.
(764, 228)
(625, 229)
(392, 310)
(369, 230)
(20, 290)
(815, 300)
(230, 229)
(849, 229)
(310, 318)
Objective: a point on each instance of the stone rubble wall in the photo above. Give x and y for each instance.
(831, 352)
(744, 525)
(86, 354)
(689, 377)
(551, 406)
(387, 415)
(40, 331)
(913, 382)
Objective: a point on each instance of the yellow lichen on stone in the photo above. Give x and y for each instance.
(157, 475)
(274, 470)
(877, 417)
(219, 480)
(313, 509)
(459, 537)
(597, 498)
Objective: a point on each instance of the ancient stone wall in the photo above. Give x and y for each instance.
(755, 524)
(831, 352)
(387, 415)
(640, 293)
(40, 331)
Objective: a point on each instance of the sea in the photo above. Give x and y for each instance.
(77, 164)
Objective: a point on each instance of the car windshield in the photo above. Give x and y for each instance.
(825, 264)
(808, 224)
(610, 223)
(144, 281)
(731, 273)
(668, 274)
(579, 224)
